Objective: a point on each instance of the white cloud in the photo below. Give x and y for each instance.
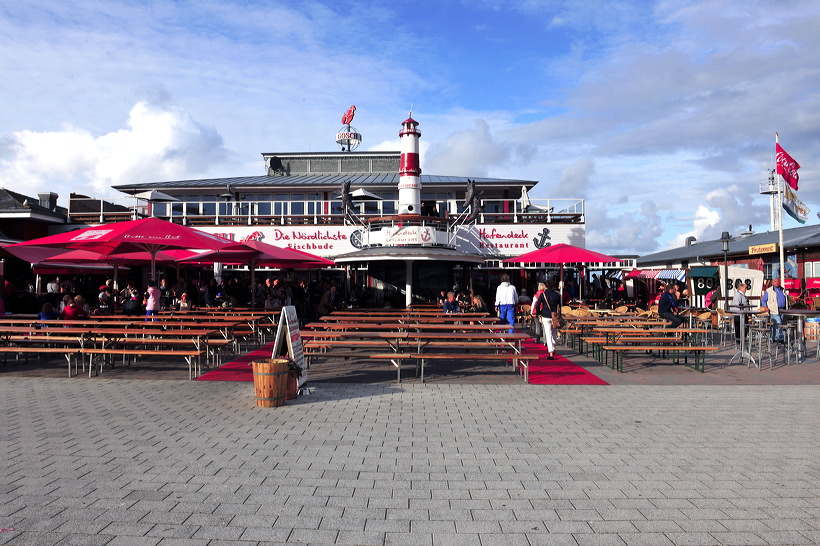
(474, 152)
(160, 142)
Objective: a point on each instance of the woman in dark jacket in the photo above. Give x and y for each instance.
(547, 304)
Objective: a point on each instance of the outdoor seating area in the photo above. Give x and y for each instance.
(417, 335)
(198, 339)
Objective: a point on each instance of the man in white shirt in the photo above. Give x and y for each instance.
(740, 302)
(506, 298)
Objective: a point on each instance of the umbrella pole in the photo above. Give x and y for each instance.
(253, 287)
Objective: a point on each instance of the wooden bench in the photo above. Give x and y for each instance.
(698, 350)
(73, 353)
(191, 357)
(516, 358)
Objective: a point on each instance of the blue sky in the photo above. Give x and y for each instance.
(660, 114)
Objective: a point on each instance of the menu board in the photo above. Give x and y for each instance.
(288, 330)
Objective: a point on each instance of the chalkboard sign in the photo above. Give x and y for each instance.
(288, 330)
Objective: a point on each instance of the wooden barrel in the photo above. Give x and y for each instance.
(270, 378)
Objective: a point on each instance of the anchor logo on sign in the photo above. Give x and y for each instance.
(541, 241)
(425, 235)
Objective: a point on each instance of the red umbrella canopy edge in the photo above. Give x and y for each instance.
(563, 254)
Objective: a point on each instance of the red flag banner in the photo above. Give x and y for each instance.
(787, 167)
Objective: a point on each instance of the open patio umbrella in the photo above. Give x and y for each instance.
(562, 254)
(149, 234)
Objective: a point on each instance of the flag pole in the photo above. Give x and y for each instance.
(780, 222)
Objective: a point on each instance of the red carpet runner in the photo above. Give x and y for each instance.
(239, 369)
(542, 371)
(556, 372)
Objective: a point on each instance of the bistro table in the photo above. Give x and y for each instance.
(800, 314)
(741, 352)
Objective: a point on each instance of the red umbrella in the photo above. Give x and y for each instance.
(562, 254)
(149, 234)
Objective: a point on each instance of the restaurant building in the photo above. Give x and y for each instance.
(347, 206)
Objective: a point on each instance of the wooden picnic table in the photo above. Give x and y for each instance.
(102, 341)
(404, 342)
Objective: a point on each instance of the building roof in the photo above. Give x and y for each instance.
(793, 239)
(319, 181)
(12, 202)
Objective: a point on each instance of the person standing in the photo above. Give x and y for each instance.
(506, 298)
(54, 286)
(152, 299)
(547, 303)
(667, 307)
(328, 302)
(739, 302)
(775, 299)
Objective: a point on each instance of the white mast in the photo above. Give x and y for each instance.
(780, 220)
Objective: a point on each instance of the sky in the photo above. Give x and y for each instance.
(661, 115)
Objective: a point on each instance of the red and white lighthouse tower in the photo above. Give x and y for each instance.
(409, 170)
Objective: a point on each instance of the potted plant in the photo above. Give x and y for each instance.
(294, 373)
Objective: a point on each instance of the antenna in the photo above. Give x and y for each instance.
(411, 110)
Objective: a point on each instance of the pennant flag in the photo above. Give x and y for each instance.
(787, 167)
(794, 206)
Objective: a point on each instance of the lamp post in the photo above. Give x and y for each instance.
(724, 239)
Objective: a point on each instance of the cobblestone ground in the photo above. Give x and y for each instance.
(127, 461)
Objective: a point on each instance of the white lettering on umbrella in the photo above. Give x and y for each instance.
(91, 234)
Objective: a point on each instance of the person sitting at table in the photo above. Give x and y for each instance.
(450, 304)
(739, 302)
(184, 303)
(103, 305)
(133, 305)
(48, 312)
(64, 302)
(73, 311)
(523, 298)
(479, 305)
(668, 307)
(82, 304)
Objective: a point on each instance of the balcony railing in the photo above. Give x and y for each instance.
(267, 213)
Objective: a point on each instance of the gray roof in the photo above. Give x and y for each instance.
(331, 181)
(11, 201)
(793, 239)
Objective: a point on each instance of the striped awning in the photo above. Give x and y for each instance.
(673, 274)
(643, 274)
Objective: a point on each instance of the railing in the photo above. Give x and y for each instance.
(246, 213)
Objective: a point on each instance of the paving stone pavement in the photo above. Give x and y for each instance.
(126, 461)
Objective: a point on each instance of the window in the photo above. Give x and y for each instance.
(297, 204)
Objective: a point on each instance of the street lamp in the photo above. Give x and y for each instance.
(724, 239)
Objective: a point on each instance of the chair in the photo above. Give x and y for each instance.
(704, 321)
(525, 315)
(623, 309)
(726, 326)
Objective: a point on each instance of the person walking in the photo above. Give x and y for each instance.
(547, 304)
(506, 298)
(775, 299)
